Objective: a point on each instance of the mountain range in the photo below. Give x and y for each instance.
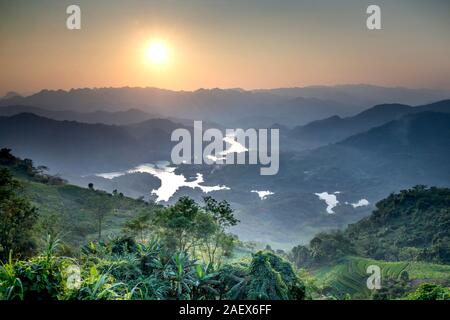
(229, 107)
(378, 151)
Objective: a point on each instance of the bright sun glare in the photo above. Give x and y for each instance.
(157, 53)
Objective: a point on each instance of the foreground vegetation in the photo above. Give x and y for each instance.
(118, 248)
(123, 269)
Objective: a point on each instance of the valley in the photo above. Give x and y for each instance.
(318, 189)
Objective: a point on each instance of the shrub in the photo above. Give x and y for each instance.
(430, 291)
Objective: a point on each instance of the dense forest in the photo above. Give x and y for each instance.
(59, 241)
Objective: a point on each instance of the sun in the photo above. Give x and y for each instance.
(157, 53)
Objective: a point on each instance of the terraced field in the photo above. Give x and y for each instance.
(350, 275)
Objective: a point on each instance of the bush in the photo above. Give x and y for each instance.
(268, 277)
(430, 291)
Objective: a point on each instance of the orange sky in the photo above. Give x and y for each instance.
(216, 43)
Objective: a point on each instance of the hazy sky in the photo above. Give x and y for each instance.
(218, 43)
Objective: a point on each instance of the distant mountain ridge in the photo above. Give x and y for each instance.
(230, 106)
(106, 117)
(227, 106)
(364, 94)
(406, 147)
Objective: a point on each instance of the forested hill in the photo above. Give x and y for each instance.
(412, 225)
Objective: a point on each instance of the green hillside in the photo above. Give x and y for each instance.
(71, 212)
(69, 205)
(412, 225)
(407, 236)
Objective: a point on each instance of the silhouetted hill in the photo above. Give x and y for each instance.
(105, 117)
(334, 129)
(408, 151)
(10, 94)
(80, 147)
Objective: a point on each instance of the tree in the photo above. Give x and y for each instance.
(268, 277)
(186, 226)
(328, 247)
(139, 225)
(301, 256)
(216, 241)
(430, 291)
(101, 208)
(6, 157)
(17, 217)
(221, 212)
(178, 224)
(404, 276)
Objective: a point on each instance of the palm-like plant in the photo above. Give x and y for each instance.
(11, 287)
(206, 283)
(39, 278)
(99, 286)
(181, 274)
(151, 287)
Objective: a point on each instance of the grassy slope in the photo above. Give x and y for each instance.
(350, 275)
(65, 208)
